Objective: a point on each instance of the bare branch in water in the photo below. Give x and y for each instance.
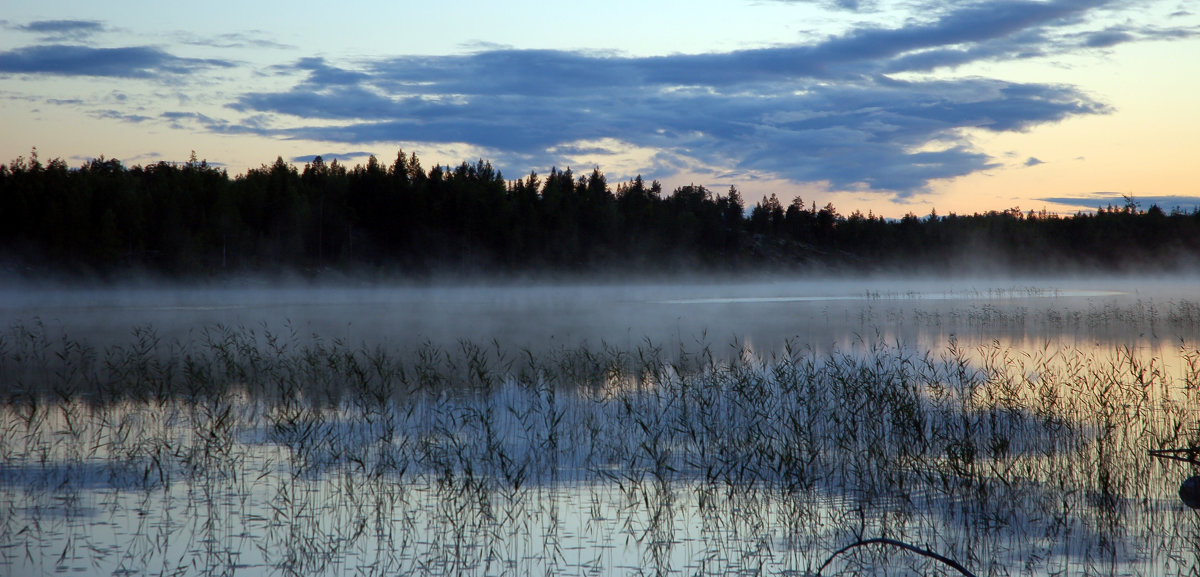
(901, 544)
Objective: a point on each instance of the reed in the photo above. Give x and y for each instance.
(249, 450)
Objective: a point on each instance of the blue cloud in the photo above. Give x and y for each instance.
(63, 29)
(118, 115)
(848, 134)
(830, 111)
(124, 62)
(1105, 199)
(254, 39)
(975, 31)
(1107, 38)
(851, 5)
(330, 156)
(340, 102)
(320, 73)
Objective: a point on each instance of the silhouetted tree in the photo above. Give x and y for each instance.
(193, 219)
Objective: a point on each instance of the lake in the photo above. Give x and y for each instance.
(607, 429)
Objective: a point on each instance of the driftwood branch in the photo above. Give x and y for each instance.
(902, 545)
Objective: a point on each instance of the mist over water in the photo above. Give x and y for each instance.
(702, 427)
(764, 313)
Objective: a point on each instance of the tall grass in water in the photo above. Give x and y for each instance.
(249, 451)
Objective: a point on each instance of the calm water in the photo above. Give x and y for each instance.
(719, 429)
(770, 312)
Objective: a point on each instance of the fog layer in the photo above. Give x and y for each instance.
(763, 313)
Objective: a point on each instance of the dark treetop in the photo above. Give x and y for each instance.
(193, 220)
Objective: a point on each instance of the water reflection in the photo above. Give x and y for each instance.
(818, 313)
(1009, 435)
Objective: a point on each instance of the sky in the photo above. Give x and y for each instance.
(886, 107)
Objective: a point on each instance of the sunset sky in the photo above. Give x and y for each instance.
(881, 106)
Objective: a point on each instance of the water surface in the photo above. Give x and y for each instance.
(750, 428)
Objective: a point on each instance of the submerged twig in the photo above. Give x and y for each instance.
(901, 544)
(1187, 455)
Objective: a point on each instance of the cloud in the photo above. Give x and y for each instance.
(124, 62)
(1031, 161)
(849, 110)
(851, 134)
(851, 5)
(330, 156)
(250, 39)
(1115, 35)
(1106, 199)
(63, 29)
(185, 120)
(1107, 38)
(110, 114)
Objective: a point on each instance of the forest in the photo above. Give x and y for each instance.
(192, 220)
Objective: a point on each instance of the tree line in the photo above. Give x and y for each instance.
(192, 219)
